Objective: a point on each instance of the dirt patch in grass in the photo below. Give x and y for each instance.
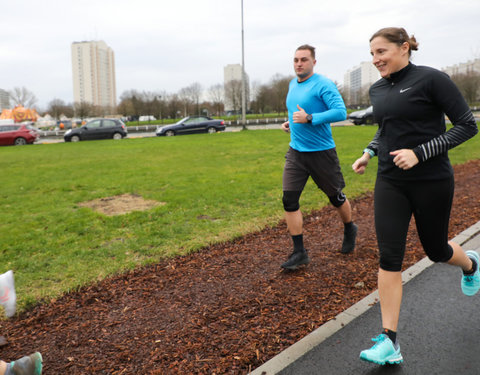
(223, 310)
(121, 204)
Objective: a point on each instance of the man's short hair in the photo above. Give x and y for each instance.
(308, 47)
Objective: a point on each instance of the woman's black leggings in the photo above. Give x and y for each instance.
(430, 203)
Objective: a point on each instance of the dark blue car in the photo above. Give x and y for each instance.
(191, 125)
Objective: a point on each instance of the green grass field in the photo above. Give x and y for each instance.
(215, 187)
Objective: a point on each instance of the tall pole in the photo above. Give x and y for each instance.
(243, 78)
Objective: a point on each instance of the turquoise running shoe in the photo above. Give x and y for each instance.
(29, 365)
(471, 283)
(384, 351)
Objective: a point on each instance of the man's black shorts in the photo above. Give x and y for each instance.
(323, 166)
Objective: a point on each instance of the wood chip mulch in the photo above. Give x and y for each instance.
(223, 310)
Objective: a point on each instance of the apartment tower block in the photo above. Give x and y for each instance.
(93, 67)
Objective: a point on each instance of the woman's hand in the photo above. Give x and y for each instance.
(404, 158)
(361, 163)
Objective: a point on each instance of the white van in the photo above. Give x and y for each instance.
(147, 118)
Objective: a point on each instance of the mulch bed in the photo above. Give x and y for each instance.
(223, 310)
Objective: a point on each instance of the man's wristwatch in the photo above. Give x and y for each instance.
(309, 118)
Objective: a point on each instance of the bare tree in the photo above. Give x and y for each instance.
(125, 107)
(174, 106)
(195, 90)
(22, 96)
(131, 104)
(83, 109)
(216, 95)
(159, 104)
(360, 97)
(279, 85)
(262, 101)
(57, 107)
(149, 100)
(137, 106)
(189, 96)
(185, 99)
(233, 95)
(469, 85)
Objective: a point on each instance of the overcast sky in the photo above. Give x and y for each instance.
(167, 45)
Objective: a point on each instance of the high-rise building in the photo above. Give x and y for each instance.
(357, 81)
(4, 100)
(232, 81)
(93, 67)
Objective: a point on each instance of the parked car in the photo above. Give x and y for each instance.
(97, 129)
(18, 134)
(192, 124)
(364, 116)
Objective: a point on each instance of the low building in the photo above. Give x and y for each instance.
(468, 67)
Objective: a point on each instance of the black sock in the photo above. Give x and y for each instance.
(391, 335)
(348, 226)
(297, 242)
(474, 267)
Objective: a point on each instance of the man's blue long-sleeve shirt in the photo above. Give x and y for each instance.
(319, 97)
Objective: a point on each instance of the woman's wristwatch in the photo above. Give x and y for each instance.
(370, 152)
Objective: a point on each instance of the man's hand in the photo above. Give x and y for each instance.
(300, 116)
(361, 163)
(404, 158)
(286, 127)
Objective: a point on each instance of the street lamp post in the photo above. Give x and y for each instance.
(160, 105)
(243, 78)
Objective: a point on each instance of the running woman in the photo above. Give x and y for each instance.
(414, 175)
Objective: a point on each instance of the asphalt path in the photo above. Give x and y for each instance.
(438, 329)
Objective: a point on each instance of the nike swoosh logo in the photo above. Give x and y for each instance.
(403, 90)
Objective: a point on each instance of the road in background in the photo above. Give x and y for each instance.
(58, 137)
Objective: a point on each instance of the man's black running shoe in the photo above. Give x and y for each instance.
(296, 259)
(349, 239)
